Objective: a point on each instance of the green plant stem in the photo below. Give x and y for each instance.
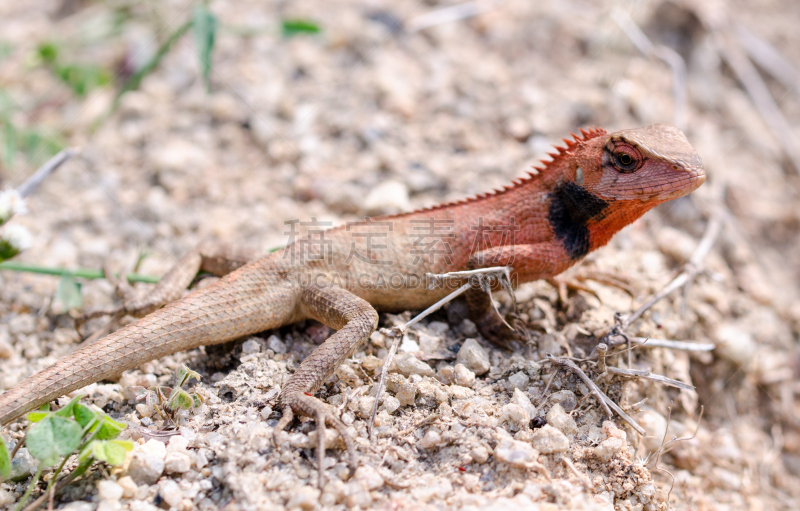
(61, 484)
(55, 474)
(18, 445)
(29, 489)
(86, 273)
(69, 477)
(136, 79)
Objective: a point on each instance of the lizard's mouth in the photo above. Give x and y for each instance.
(688, 181)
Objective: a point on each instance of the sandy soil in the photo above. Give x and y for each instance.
(379, 114)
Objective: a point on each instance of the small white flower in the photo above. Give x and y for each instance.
(17, 236)
(11, 203)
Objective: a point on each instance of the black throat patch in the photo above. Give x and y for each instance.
(571, 208)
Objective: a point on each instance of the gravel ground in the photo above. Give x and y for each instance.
(378, 114)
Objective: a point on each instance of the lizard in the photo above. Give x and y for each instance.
(538, 226)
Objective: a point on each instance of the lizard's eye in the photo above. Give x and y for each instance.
(625, 162)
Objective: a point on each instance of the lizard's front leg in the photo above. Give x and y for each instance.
(529, 262)
(355, 320)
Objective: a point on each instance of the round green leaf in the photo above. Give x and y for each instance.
(116, 451)
(52, 437)
(5, 460)
(180, 399)
(109, 428)
(36, 416)
(83, 414)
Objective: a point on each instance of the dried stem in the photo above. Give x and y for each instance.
(38, 177)
(607, 403)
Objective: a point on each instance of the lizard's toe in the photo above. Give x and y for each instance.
(504, 334)
(308, 405)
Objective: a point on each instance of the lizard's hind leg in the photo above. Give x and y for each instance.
(215, 258)
(355, 320)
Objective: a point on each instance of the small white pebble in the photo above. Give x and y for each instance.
(128, 487)
(356, 496)
(170, 492)
(109, 505)
(365, 405)
(548, 440)
(480, 455)
(251, 346)
(200, 459)
(408, 364)
(147, 463)
(304, 497)
(463, 376)
(275, 344)
(561, 420)
(406, 393)
(516, 453)
(446, 375)
(431, 439)
(473, 356)
(109, 490)
(518, 380)
(144, 410)
(368, 476)
(177, 443)
(177, 462)
(515, 415)
(6, 498)
(608, 448)
(522, 399)
(391, 404)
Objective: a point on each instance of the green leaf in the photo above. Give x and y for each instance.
(180, 399)
(81, 79)
(86, 453)
(48, 52)
(66, 410)
(115, 451)
(136, 79)
(52, 437)
(205, 29)
(83, 414)
(110, 451)
(5, 460)
(185, 374)
(196, 399)
(36, 416)
(82, 466)
(109, 428)
(292, 27)
(69, 293)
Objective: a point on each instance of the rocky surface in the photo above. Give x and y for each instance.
(373, 115)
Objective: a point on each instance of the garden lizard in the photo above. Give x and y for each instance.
(538, 226)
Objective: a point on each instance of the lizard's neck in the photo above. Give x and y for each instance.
(619, 214)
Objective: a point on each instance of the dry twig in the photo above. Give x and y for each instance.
(607, 403)
(396, 333)
(692, 268)
(449, 14)
(38, 177)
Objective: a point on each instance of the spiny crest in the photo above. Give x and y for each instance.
(544, 167)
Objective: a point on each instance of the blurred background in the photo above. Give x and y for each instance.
(224, 120)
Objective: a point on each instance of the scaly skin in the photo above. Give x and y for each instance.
(539, 226)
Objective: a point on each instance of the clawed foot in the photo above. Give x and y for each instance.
(321, 415)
